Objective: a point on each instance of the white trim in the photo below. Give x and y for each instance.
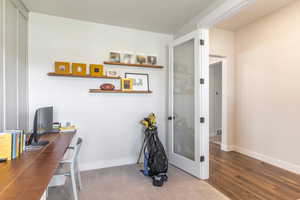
(185, 38)
(204, 102)
(270, 160)
(107, 164)
(21, 7)
(170, 100)
(264, 158)
(227, 148)
(228, 8)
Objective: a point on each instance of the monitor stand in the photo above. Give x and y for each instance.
(34, 141)
(40, 143)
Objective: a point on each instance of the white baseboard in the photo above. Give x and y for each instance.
(267, 159)
(227, 148)
(106, 164)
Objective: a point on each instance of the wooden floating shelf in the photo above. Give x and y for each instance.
(119, 91)
(134, 65)
(83, 76)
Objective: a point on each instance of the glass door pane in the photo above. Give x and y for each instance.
(184, 100)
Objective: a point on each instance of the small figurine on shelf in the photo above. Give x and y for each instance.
(107, 86)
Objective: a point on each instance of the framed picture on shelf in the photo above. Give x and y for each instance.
(112, 72)
(62, 67)
(151, 60)
(115, 57)
(126, 84)
(127, 58)
(96, 70)
(141, 59)
(140, 81)
(79, 69)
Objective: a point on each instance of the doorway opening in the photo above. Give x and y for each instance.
(218, 101)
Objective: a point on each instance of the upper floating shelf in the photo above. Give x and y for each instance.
(82, 76)
(135, 65)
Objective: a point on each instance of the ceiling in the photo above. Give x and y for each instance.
(163, 16)
(251, 13)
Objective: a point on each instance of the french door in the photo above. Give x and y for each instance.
(188, 94)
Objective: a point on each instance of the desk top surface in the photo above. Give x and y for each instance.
(27, 177)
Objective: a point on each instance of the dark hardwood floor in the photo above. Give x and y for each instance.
(243, 178)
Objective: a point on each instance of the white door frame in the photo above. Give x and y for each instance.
(229, 7)
(204, 103)
(223, 60)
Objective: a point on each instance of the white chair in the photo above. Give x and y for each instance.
(72, 167)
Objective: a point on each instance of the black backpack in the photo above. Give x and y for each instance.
(157, 157)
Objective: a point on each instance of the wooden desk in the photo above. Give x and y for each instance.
(28, 176)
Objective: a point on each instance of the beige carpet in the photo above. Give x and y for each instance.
(127, 183)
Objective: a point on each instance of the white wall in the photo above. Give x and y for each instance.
(222, 43)
(267, 88)
(108, 123)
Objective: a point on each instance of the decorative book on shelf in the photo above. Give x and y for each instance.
(135, 65)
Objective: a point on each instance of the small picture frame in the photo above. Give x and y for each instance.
(126, 84)
(141, 59)
(96, 70)
(127, 58)
(115, 57)
(62, 67)
(112, 73)
(140, 81)
(79, 69)
(151, 60)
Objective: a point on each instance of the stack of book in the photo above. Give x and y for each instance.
(12, 144)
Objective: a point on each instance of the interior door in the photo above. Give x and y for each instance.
(184, 141)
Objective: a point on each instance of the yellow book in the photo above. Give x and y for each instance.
(5, 146)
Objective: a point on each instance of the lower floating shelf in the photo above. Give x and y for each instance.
(119, 91)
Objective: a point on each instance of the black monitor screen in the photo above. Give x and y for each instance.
(43, 120)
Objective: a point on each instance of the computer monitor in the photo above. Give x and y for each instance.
(43, 123)
(43, 120)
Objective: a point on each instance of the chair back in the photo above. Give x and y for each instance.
(76, 150)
